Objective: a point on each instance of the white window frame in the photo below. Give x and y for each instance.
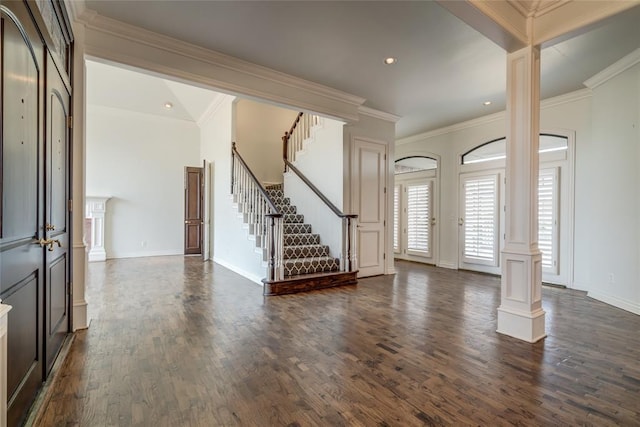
(564, 208)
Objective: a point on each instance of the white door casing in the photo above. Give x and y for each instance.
(368, 178)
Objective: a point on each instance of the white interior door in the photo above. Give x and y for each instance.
(368, 178)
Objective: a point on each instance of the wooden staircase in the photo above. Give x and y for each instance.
(296, 260)
(307, 263)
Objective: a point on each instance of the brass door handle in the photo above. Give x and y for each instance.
(50, 227)
(50, 243)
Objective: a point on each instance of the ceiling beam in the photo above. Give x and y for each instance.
(514, 24)
(499, 21)
(573, 18)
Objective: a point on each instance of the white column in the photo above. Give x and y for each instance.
(520, 314)
(96, 210)
(4, 310)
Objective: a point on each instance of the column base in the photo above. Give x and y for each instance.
(525, 326)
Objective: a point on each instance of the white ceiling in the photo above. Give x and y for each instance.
(116, 87)
(445, 69)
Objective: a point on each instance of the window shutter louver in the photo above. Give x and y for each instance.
(547, 230)
(419, 218)
(481, 220)
(396, 218)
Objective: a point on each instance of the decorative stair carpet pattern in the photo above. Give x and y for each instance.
(302, 252)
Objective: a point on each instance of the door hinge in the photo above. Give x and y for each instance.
(70, 205)
(384, 256)
(385, 190)
(70, 122)
(384, 223)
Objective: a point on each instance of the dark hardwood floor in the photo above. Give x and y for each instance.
(175, 342)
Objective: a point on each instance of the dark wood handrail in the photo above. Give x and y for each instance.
(275, 212)
(313, 188)
(287, 136)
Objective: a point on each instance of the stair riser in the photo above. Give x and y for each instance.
(295, 268)
(301, 239)
(309, 284)
(305, 251)
(297, 228)
(293, 219)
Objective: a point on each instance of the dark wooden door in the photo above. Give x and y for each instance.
(57, 224)
(193, 221)
(21, 211)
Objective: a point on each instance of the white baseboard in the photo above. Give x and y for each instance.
(142, 254)
(630, 306)
(80, 317)
(580, 286)
(448, 264)
(239, 271)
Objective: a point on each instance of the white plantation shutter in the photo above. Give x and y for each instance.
(480, 221)
(396, 218)
(419, 219)
(547, 218)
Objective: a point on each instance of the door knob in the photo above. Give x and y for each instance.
(50, 243)
(50, 227)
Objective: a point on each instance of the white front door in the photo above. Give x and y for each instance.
(368, 178)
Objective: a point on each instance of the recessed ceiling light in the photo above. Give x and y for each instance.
(390, 60)
(486, 103)
(168, 105)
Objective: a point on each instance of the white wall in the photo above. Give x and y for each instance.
(321, 162)
(231, 245)
(259, 128)
(614, 202)
(138, 160)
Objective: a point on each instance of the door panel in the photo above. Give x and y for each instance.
(193, 210)
(480, 222)
(21, 259)
(415, 207)
(56, 308)
(368, 170)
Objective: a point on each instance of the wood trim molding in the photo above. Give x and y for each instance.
(377, 114)
(120, 42)
(614, 69)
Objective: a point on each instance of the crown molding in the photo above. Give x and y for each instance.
(614, 69)
(546, 103)
(566, 98)
(213, 108)
(377, 114)
(453, 128)
(102, 24)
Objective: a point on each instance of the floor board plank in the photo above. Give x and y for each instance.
(177, 342)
